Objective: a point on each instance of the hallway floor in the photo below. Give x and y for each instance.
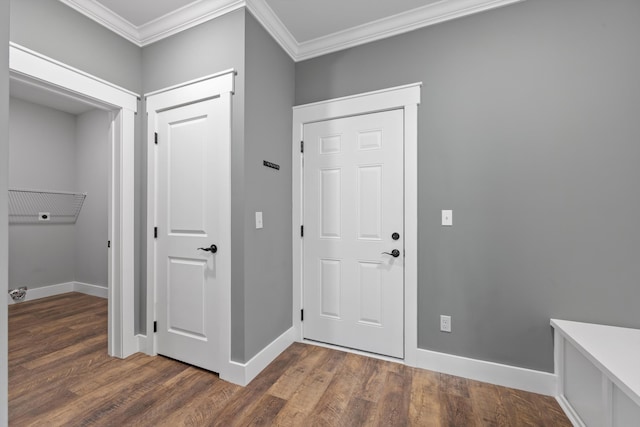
(60, 375)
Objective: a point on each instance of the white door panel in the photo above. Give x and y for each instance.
(353, 201)
(188, 219)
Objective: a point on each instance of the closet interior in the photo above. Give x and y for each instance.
(58, 193)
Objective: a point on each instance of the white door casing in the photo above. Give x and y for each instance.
(189, 200)
(48, 74)
(405, 98)
(353, 288)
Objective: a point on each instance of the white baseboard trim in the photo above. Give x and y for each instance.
(243, 373)
(45, 291)
(63, 288)
(570, 412)
(489, 372)
(95, 290)
(144, 345)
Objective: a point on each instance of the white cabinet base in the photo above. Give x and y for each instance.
(598, 369)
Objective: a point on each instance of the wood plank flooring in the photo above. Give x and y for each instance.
(60, 375)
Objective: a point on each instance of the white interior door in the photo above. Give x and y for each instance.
(353, 291)
(188, 198)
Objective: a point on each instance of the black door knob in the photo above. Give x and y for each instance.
(213, 249)
(394, 253)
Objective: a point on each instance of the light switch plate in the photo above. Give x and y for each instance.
(447, 217)
(258, 219)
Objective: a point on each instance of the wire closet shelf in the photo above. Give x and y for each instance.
(44, 207)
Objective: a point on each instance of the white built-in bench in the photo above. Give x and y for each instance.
(598, 369)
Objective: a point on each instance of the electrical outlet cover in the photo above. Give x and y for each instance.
(445, 323)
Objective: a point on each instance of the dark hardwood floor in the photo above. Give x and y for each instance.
(60, 375)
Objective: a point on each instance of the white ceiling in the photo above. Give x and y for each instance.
(304, 28)
(140, 12)
(57, 100)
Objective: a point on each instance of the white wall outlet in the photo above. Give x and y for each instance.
(258, 219)
(447, 217)
(445, 323)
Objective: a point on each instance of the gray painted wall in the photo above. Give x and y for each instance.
(42, 153)
(53, 29)
(268, 253)
(528, 130)
(92, 174)
(4, 175)
(206, 49)
(54, 150)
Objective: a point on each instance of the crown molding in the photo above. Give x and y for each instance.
(431, 14)
(105, 17)
(201, 11)
(274, 26)
(184, 18)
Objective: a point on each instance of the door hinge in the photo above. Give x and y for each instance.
(108, 243)
(302, 231)
(155, 326)
(155, 232)
(302, 315)
(156, 138)
(302, 146)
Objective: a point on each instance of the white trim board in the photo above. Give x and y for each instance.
(88, 289)
(244, 373)
(194, 81)
(49, 74)
(202, 11)
(406, 98)
(67, 78)
(488, 372)
(63, 288)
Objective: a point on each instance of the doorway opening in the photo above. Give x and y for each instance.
(45, 78)
(326, 269)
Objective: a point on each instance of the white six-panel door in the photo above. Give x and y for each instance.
(188, 211)
(353, 288)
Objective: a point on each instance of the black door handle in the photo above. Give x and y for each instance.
(394, 253)
(213, 249)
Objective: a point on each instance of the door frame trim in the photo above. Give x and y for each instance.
(222, 85)
(41, 71)
(407, 98)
